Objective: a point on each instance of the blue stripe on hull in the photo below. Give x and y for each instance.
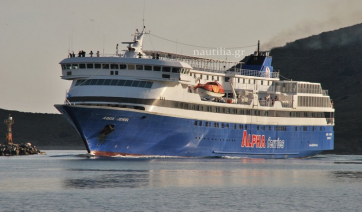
(136, 132)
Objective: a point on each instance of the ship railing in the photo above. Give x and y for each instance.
(286, 100)
(215, 66)
(244, 101)
(286, 104)
(245, 72)
(270, 103)
(266, 103)
(256, 73)
(330, 121)
(67, 102)
(95, 55)
(325, 92)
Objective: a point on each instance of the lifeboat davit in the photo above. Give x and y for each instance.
(210, 89)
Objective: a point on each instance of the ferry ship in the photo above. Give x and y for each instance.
(155, 103)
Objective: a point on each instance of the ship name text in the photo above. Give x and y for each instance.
(258, 141)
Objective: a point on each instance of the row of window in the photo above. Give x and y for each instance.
(203, 108)
(226, 79)
(258, 127)
(311, 101)
(285, 87)
(126, 66)
(114, 82)
(309, 88)
(269, 113)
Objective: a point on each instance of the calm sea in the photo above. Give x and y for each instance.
(71, 181)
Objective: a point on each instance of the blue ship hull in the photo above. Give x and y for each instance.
(111, 132)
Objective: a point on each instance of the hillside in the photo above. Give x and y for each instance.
(333, 59)
(46, 131)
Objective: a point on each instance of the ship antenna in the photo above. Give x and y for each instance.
(143, 18)
(258, 47)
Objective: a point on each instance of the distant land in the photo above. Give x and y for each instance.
(45, 131)
(332, 58)
(335, 60)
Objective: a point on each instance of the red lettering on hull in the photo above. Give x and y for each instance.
(253, 140)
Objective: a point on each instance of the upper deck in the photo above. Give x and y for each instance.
(160, 75)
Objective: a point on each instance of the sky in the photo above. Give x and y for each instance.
(37, 34)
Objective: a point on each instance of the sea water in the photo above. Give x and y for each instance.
(75, 181)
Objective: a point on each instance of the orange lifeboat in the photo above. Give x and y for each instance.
(210, 89)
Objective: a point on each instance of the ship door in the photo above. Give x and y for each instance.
(255, 100)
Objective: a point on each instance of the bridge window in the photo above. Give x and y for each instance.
(114, 66)
(175, 70)
(97, 66)
(156, 68)
(93, 82)
(148, 68)
(90, 65)
(105, 66)
(121, 82)
(142, 84)
(128, 83)
(74, 66)
(107, 82)
(114, 82)
(139, 67)
(100, 82)
(87, 82)
(148, 84)
(79, 82)
(130, 67)
(135, 83)
(166, 69)
(82, 66)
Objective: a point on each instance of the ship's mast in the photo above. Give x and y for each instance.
(134, 49)
(9, 135)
